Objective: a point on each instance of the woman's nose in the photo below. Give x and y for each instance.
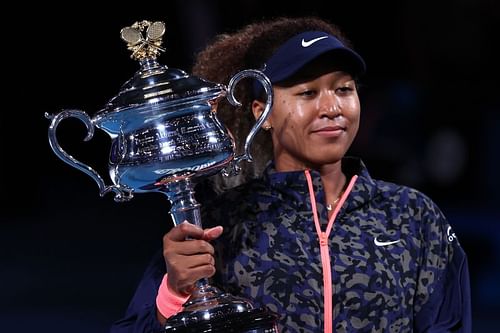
(329, 105)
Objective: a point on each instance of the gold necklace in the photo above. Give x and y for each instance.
(331, 206)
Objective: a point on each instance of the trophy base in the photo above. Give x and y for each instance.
(209, 310)
(251, 321)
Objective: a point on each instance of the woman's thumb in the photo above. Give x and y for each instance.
(212, 233)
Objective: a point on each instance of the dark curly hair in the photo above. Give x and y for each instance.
(249, 48)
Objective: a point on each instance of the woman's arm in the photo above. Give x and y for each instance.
(443, 302)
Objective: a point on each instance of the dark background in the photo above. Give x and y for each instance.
(70, 260)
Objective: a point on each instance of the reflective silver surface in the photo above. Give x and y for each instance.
(163, 125)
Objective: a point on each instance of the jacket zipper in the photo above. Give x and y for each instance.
(324, 250)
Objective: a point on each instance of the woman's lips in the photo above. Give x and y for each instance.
(329, 131)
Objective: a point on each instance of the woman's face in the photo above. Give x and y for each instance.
(314, 119)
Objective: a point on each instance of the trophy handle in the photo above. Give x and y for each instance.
(121, 194)
(266, 83)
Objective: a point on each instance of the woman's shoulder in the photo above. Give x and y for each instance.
(411, 201)
(402, 192)
(241, 192)
(382, 190)
(235, 202)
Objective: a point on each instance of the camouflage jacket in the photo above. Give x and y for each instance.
(395, 263)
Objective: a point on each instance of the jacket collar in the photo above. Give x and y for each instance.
(292, 186)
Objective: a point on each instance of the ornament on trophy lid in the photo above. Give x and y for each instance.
(144, 48)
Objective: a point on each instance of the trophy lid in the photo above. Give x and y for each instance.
(155, 86)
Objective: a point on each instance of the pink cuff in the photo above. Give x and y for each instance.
(167, 302)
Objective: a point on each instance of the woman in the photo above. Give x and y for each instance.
(312, 236)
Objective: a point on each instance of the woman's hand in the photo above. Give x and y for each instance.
(189, 256)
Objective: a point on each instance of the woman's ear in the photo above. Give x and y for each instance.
(257, 108)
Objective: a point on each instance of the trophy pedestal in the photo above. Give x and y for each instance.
(228, 314)
(208, 309)
(251, 321)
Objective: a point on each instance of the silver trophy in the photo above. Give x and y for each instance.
(165, 134)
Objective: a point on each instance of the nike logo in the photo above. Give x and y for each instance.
(312, 41)
(379, 243)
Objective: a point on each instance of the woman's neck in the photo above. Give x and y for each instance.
(332, 177)
(334, 183)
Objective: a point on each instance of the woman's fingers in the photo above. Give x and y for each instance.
(185, 230)
(183, 282)
(188, 255)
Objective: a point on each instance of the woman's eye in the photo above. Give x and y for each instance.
(344, 90)
(307, 93)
